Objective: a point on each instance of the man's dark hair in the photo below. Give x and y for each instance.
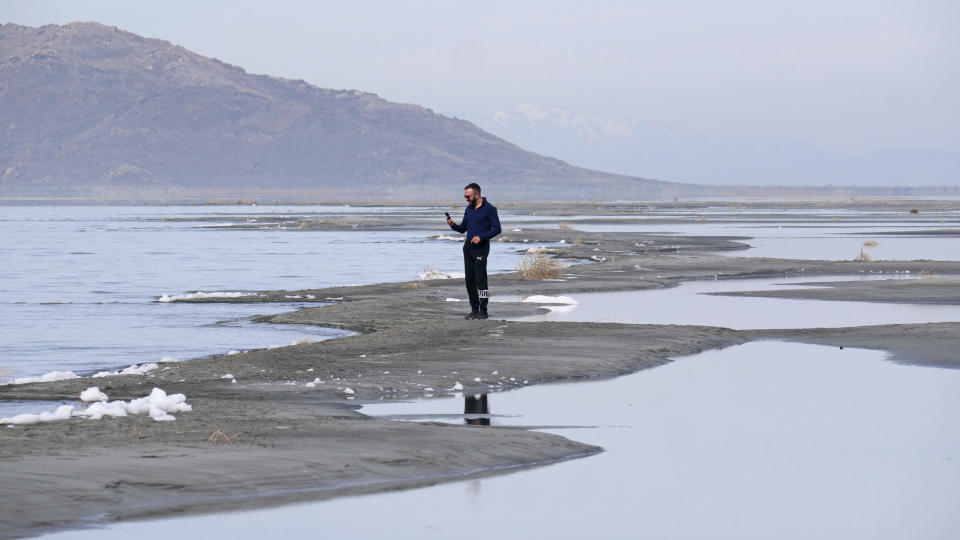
(473, 186)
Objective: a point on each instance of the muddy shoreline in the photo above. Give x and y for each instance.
(290, 442)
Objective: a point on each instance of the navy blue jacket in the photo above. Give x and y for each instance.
(483, 222)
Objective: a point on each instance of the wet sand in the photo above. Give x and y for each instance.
(290, 442)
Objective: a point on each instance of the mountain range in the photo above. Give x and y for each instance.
(94, 112)
(670, 153)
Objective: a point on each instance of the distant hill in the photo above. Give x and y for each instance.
(92, 111)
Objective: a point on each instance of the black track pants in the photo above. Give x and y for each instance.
(475, 270)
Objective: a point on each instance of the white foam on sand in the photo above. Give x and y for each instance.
(437, 274)
(158, 405)
(201, 294)
(46, 377)
(93, 394)
(135, 369)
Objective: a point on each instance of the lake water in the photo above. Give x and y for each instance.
(836, 242)
(80, 283)
(691, 303)
(763, 440)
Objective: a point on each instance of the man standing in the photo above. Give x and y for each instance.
(481, 223)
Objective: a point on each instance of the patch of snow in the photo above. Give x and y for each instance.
(446, 237)
(437, 274)
(62, 413)
(457, 386)
(227, 376)
(158, 405)
(134, 369)
(46, 377)
(349, 391)
(455, 300)
(93, 394)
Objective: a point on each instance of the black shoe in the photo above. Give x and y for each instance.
(473, 315)
(481, 315)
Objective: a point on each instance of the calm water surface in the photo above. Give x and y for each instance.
(691, 303)
(756, 441)
(764, 440)
(80, 283)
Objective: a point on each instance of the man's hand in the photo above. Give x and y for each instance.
(450, 222)
(475, 240)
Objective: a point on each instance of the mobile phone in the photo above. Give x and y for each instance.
(447, 214)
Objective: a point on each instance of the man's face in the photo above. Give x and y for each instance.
(471, 196)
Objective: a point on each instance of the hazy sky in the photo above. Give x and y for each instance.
(848, 77)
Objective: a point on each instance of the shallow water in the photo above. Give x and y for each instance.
(688, 303)
(80, 283)
(764, 440)
(836, 242)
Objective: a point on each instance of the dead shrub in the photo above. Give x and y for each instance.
(539, 266)
(413, 285)
(565, 226)
(864, 256)
(219, 437)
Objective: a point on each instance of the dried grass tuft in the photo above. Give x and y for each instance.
(413, 285)
(914, 211)
(864, 256)
(219, 437)
(565, 226)
(539, 266)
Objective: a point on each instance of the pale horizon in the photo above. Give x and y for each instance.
(749, 93)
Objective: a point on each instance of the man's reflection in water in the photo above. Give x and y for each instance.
(476, 404)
